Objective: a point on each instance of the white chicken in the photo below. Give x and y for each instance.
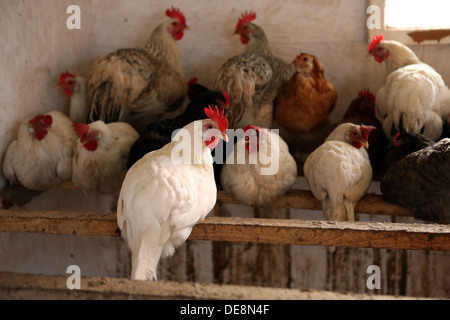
(251, 175)
(100, 157)
(41, 156)
(339, 171)
(167, 192)
(75, 88)
(414, 97)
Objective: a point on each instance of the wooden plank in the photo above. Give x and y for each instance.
(59, 222)
(276, 231)
(304, 199)
(42, 287)
(325, 233)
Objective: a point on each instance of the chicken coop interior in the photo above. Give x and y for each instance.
(282, 250)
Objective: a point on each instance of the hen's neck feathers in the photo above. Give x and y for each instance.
(78, 103)
(200, 154)
(162, 45)
(258, 43)
(399, 56)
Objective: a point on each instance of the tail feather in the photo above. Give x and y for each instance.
(144, 260)
(343, 210)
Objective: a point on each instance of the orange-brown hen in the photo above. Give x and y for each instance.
(308, 98)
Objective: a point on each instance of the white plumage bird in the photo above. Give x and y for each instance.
(163, 197)
(414, 97)
(75, 88)
(41, 156)
(100, 157)
(339, 171)
(260, 169)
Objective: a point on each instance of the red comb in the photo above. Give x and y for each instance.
(396, 142)
(227, 97)
(366, 93)
(246, 17)
(192, 81)
(251, 127)
(378, 38)
(81, 129)
(366, 130)
(175, 13)
(63, 76)
(46, 119)
(218, 117)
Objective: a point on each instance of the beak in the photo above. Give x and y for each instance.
(235, 32)
(224, 137)
(57, 85)
(366, 144)
(186, 28)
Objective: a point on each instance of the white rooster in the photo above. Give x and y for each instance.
(41, 156)
(164, 196)
(100, 157)
(414, 97)
(251, 175)
(339, 171)
(75, 88)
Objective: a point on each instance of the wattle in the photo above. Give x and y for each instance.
(244, 39)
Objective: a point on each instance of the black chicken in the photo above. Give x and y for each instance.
(418, 176)
(158, 134)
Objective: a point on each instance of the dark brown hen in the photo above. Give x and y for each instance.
(421, 179)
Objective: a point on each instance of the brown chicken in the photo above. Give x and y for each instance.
(308, 98)
(253, 78)
(138, 85)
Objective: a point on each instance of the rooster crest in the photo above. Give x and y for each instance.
(245, 18)
(376, 40)
(218, 117)
(175, 13)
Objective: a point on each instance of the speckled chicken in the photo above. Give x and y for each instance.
(100, 156)
(253, 78)
(307, 99)
(421, 179)
(339, 171)
(138, 85)
(41, 156)
(260, 169)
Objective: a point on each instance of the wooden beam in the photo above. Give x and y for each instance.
(275, 231)
(42, 287)
(325, 233)
(304, 199)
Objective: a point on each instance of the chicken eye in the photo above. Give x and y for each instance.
(210, 127)
(305, 59)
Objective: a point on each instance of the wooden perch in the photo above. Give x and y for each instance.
(274, 231)
(304, 199)
(31, 286)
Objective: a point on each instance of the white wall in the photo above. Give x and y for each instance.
(36, 46)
